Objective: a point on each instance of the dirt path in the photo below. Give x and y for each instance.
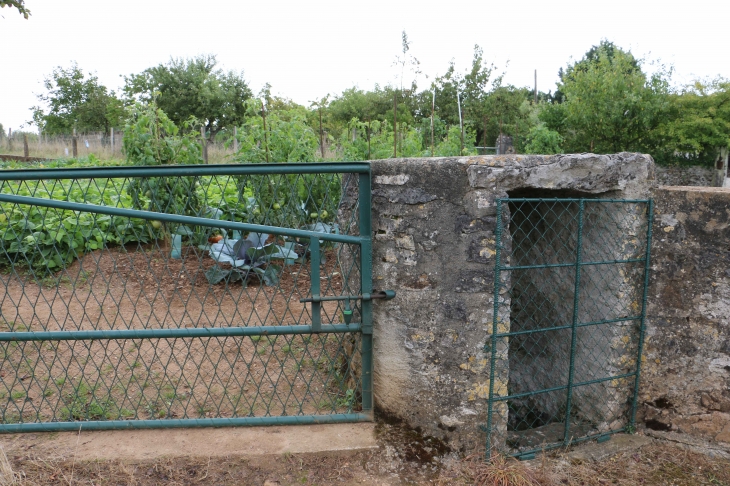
(393, 462)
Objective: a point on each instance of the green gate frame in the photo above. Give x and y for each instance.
(503, 220)
(364, 240)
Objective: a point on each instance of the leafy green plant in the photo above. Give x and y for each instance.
(542, 140)
(347, 400)
(49, 239)
(78, 406)
(250, 257)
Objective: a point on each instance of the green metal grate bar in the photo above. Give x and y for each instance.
(185, 423)
(184, 171)
(581, 264)
(178, 333)
(174, 218)
(574, 327)
(499, 398)
(569, 326)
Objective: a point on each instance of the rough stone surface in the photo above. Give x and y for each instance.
(684, 176)
(434, 222)
(598, 451)
(686, 378)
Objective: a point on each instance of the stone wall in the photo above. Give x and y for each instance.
(686, 378)
(434, 243)
(684, 176)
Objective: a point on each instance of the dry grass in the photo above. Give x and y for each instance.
(57, 149)
(654, 465)
(7, 475)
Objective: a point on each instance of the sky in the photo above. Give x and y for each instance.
(308, 49)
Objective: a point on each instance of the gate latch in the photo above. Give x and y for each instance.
(377, 294)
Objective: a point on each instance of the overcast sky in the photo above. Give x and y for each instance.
(306, 49)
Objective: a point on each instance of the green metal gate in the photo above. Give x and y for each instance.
(570, 287)
(185, 296)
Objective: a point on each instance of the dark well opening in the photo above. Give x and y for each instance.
(544, 233)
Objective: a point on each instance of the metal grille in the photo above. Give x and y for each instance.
(568, 321)
(140, 297)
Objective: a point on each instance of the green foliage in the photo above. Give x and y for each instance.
(451, 145)
(151, 138)
(287, 138)
(76, 101)
(698, 125)
(17, 4)
(185, 88)
(48, 239)
(542, 140)
(610, 104)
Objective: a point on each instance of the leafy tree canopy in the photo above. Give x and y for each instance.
(76, 100)
(609, 105)
(185, 88)
(17, 4)
(697, 125)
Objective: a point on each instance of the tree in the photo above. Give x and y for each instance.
(76, 101)
(697, 126)
(609, 105)
(185, 88)
(17, 4)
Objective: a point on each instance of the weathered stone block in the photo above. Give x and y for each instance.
(686, 373)
(434, 244)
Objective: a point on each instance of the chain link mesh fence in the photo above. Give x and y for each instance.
(569, 306)
(152, 296)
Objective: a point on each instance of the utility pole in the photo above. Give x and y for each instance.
(535, 86)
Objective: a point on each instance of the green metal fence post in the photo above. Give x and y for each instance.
(314, 275)
(495, 324)
(574, 327)
(642, 325)
(366, 287)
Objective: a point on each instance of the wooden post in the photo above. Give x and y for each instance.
(720, 168)
(461, 123)
(433, 110)
(74, 147)
(204, 143)
(395, 124)
(535, 86)
(26, 152)
(10, 139)
(266, 134)
(235, 139)
(321, 134)
(112, 140)
(369, 158)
